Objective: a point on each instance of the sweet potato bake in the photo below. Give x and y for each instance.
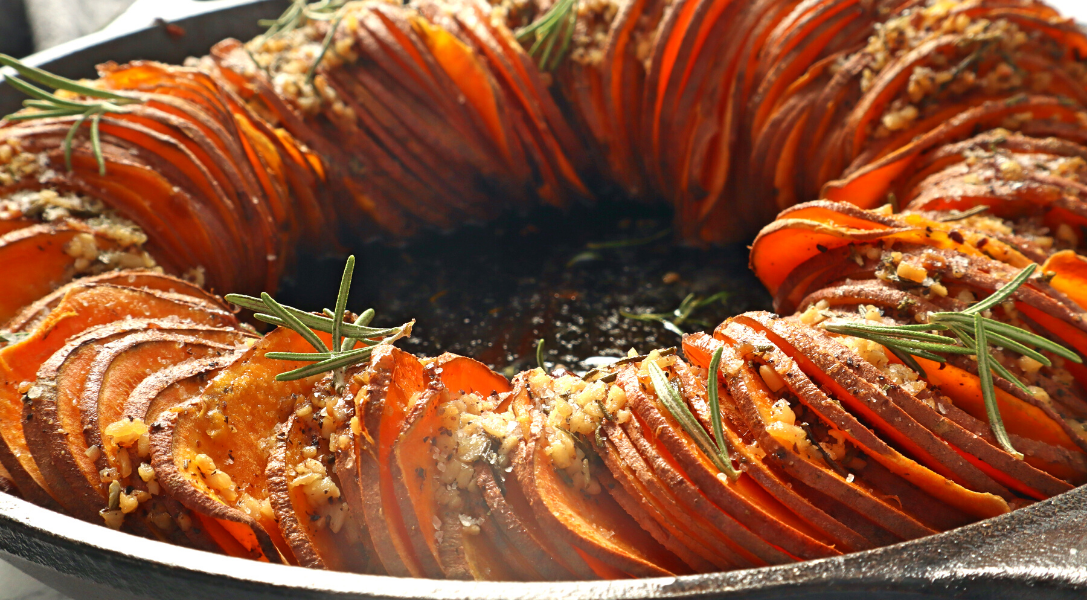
(926, 161)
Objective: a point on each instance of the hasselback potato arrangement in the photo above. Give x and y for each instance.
(926, 161)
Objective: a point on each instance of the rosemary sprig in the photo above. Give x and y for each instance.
(325, 45)
(682, 314)
(297, 14)
(715, 414)
(958, 215)
(677, 407)
(345, 336)
(554, 28)
(973, 334)
(49, 104)
(540, 353)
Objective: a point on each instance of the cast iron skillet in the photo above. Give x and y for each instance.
(1036, 552)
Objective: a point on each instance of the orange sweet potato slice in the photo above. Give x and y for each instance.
(396, 382)
(946, 473)
(134, 278)
(967, 435)
(592, 523)
(41, 258)
(1069, 275)
(313, 523)
(419, 472)
(80, 309)
(752, 395)
(209, 453)
(658, 512)
(62, 427)
(839, 520)
(118, 367)
(513, 516)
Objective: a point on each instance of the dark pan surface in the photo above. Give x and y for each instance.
(490, 292)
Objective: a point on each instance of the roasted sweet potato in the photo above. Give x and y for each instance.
(592, 522)
(396, 382)
(305, 494)
(209, 453)
(80, 309)
(458, 386)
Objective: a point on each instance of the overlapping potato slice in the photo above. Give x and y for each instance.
(82, 389)
(576, 508)
(81, 308)
(305, 493)
(211, 453)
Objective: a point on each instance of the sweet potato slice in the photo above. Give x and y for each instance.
(209, 453)
(80, 309)
(41, 258)
(848, 529)
(967, 435)
(395, 383)
(1069, 275)
(947, 471)
(592, 523)
(658, 512)
(62, 424)
(422, 467)
(29, 317)
(753, 518)
(513, 515)
(117, 369)
(300, 489)
(752, 395)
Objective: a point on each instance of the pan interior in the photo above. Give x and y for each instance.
(492, 291)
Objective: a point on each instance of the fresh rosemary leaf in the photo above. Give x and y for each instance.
(997, 339)
(629, 243)
(325, 45)
(316, 322)
(341, 300)
(677, 407)
(539, 353)
(293, 322)
(47, 105)
(1003, 293)
(341, 360)
(889, 331)
(996, 423)
(715, 415)
(345, 336)
(909, 361)
(958, 215)
(558, 23)
(363, 320)
(58, 82)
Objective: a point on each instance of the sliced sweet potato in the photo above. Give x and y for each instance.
(1069, 275)
(41, 258)
(117, 369)
(62, 427)
(849, 530)
(592, 523)
(134, 278)
(80, 309)
(659, 513)
(396, 382)
(967, 435)
(300, 489)
(753, 396)
(753, 518)
(419, 474)
(209, 453)
(513, 515)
